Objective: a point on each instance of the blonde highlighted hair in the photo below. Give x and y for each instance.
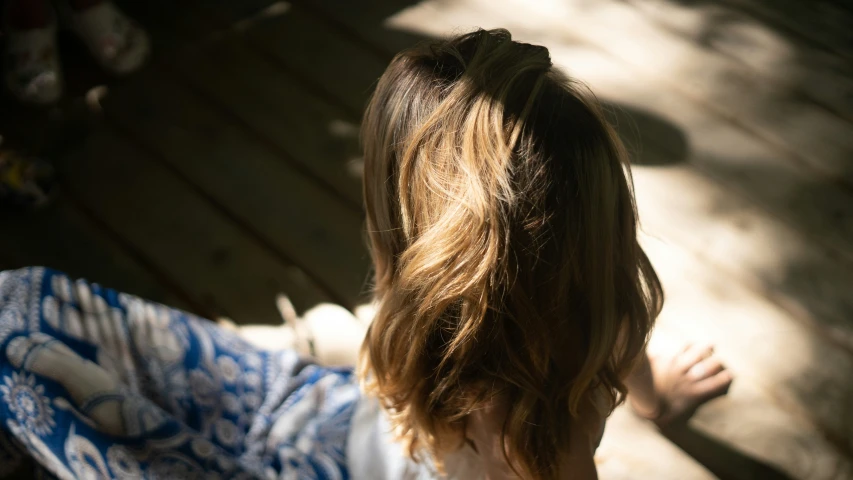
(503, 232)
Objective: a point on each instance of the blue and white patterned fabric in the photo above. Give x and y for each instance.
(100, 384)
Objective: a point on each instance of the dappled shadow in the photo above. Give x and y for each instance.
(805, 45)
(650, 139)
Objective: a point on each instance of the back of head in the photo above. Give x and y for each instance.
(503, 232)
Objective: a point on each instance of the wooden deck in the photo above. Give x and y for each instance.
(228, 171)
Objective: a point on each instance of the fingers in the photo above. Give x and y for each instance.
(714, 386)
(692, 355)
(705, 368)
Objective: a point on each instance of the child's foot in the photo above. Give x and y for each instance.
(116, 42)
(31, 65)
(683, 383)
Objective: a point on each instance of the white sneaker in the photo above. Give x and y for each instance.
(114, 40)
(32, 70)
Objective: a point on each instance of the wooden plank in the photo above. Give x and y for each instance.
(344, 70)
(172, 26)
(284, 211)
(366, 23)
(154, 212)
(231, 12)
(315, 137)
(321, 57)
(63, 238)
(791, 62)
(825, 23)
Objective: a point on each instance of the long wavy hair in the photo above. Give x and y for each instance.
(503, 231)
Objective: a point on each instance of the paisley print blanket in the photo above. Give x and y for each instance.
(96, 383)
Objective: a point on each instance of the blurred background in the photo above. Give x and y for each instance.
(227, 171)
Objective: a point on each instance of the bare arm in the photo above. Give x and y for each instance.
(641, 386)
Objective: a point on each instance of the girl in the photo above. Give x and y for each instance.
(513, 309)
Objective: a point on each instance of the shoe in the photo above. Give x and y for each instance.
(32, 70)
(114, 40)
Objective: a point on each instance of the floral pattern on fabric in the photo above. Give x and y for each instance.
(27, 402)
(100, 384)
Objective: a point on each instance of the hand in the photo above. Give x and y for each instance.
(682, 383)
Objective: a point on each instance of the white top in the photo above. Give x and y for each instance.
(372, 453)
